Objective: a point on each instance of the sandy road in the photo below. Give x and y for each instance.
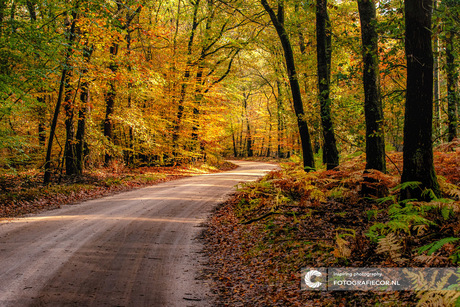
(132, 249)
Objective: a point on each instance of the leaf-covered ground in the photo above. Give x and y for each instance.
(24, 193)
(259, 240)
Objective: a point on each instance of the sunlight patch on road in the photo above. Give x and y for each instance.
(104, 217)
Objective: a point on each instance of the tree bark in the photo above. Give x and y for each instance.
(110, 103)
(70, 148)
(82, 114)
(279, 117)
(452, 87)
(41, 121)
(418, 153)
(278, 23)
(373, 111)
(70, 33)
(437, 109)
(323, 54)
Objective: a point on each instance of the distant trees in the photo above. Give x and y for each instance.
(89, 83)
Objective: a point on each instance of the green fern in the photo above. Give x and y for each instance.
(405, 185)
(429, 192)
(433, 247)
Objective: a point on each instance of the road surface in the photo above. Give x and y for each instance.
(137, 248)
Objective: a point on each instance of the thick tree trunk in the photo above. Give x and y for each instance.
(323, 38)
(452, 87)
(375, 137)
(436, 93)
(418, 152)
(278, 23)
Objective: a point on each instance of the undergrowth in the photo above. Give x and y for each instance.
(291, 219)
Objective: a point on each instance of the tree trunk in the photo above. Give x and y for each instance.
(375, 137)
(110, 103)
(418, 153)
(82, 114)
(323, 38)
(70, 33)
(452, 86)
(279, 115)
(183, 90)
(278, 23)
(41, 109)
(70, 148)
(41, 121)
(437, 109)
(249, 150)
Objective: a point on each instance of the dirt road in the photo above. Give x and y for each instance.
(132, 249)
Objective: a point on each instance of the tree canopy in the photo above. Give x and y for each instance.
(86, 83)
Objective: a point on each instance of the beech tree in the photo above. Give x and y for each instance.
(375, 137)
(451, 12)
(418, 152)
(65, 79)
(323, 51)
(277, 20)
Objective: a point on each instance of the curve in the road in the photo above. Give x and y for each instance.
(132, 249)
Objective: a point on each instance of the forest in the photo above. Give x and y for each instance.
(358, 100)
(89, 83)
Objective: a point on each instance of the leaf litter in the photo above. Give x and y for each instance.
(260, 239)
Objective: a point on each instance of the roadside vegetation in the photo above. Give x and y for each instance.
(23, 192)
(260, 239)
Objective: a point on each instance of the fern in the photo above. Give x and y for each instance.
(435, 246)
(429, 194)
(439, 298)
(341, 250)
(448, 188)
(406, 185)
(391, 245)
(403, 220)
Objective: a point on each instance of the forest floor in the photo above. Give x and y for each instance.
(259, 240)
(23, 192)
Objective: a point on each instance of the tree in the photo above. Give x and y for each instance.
(323, 51)
(418, 152)
(71, 37)
(451, 69)
(375, 137)
(278, 22)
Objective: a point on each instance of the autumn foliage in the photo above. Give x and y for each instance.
(261, 238)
